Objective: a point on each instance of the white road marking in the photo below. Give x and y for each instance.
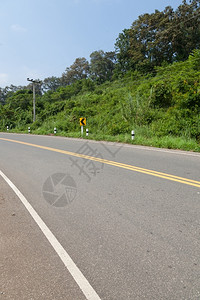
(80, 279)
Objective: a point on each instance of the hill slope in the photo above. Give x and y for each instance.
(163, 108)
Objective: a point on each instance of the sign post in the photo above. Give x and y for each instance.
(82, 123)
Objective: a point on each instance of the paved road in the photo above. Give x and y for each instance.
(128, 217)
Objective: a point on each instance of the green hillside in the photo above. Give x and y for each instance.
(150, 84)
(163, 109)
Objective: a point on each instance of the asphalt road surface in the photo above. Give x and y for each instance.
(93, 220)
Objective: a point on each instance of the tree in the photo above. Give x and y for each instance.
(150, 39)
(144, 45)
(77, 71)
(2, 96)
(122, 49)
(186, 29)
(8, 91)
(21, 99)
(102, 65)
(159, 37)
(51, 84)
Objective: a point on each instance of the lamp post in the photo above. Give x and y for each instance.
(34, 83)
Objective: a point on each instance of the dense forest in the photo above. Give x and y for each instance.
(150, 83)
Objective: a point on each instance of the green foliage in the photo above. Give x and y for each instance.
(20, 99)
(77, 71)
(51, 84)
(161, 95)
(102, 66)
(164, 105)
(165, 36)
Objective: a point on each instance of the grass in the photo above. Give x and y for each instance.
(141, 138)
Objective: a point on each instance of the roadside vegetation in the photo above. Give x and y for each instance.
(149, 84)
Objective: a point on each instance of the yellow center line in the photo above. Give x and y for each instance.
(113, 163)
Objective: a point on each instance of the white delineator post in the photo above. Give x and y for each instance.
(133, 134)
(87, 132)
(55, 130)
(81, 130)
(7, 128)
(29, 129)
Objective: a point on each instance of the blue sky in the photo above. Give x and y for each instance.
(40, 38)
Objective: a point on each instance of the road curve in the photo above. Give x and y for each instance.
(127, 216)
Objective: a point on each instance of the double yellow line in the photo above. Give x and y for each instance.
(113, 163)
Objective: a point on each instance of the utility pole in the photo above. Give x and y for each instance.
(34, 83)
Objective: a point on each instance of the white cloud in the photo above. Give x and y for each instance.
(18, 28)
(3, 79)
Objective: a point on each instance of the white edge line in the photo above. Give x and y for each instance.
(79, 278)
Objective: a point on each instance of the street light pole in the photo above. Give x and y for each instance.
(33, 101)
(34, 83)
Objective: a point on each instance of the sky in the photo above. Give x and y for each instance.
(41, 38)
